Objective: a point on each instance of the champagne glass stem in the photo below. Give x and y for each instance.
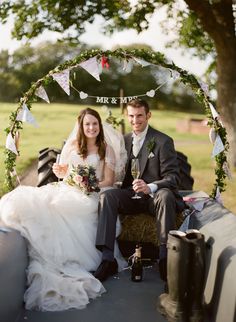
(135, 171)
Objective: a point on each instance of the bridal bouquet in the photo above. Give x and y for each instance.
(84, 178)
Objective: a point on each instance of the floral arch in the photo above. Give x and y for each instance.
(89, 60)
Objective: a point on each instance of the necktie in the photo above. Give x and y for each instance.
(136, 145)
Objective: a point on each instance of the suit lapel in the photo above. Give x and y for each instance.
(128, 147)
(144, 151)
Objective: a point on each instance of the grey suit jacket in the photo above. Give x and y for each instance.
(160, 168)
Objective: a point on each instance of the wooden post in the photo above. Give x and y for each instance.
(122, 111)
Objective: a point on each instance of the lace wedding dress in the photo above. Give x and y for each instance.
(59, 223)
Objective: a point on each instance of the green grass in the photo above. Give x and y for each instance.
(57, 120)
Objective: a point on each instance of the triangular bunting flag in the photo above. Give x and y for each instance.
(218, 146)
(24, 115)
(214, 113)
(10, 144)
(40, 92)
(63, 79)
(174, 74)
(212, 135)
(142, 62)
(204, 87)
(91, 66)
(227, 170)
(127, 66)
(218, 196)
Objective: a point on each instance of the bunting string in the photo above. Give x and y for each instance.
(115, 99)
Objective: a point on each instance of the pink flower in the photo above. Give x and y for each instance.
(78, 179)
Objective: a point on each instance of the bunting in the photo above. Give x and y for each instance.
(24, 115)
(174, 74)
(141, 62)
(204, 87)
(10, 144)
(212, 135)
(127, 66)
(40, 92)
(214, 113)
(218, 196)
(91, 66)
(227, 170)
(218, 146)
(63, 79)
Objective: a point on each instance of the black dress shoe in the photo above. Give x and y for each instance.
(106, 269)
(163, 269)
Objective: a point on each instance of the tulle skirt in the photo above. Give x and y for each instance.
(59, 222)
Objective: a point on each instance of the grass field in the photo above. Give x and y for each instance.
(56, 121)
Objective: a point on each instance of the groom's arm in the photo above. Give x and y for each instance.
(167, 163)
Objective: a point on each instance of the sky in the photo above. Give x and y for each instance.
(93, 36)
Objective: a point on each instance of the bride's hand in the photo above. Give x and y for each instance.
(60, 170)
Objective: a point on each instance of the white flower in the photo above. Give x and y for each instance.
(151, 155)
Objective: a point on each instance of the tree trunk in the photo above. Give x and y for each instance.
(217, 19)
(226, 89)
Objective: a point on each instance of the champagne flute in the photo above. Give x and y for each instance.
(57, 162)
(58, 158)
(135, 171)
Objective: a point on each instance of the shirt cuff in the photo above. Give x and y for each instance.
(153, 187)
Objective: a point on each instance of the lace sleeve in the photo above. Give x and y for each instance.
(110, 158)
(65, 157)
(116, 155)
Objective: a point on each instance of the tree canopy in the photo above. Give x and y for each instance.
(207, 26)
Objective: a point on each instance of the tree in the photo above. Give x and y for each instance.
(206, 26)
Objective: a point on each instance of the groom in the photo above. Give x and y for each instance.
(157, 185)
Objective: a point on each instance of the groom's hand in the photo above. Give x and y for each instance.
(140, 186)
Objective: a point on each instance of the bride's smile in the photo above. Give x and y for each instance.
(91, 126)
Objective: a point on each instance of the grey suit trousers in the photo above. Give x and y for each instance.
(118, 201)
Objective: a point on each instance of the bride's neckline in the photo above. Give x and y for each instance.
(94, 153)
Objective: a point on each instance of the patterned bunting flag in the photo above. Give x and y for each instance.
(227, 170)
(218, 196)
(204, 87)
(40, 92)
(214, 113)
(63, 79)
(24, 115)
(128, 65)
(10, 144)
(141, 62)
(175, 74)
(218, 146)
(91, 66)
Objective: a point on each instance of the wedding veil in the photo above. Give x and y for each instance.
(113, 138)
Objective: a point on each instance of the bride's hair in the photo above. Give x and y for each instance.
(81, 138)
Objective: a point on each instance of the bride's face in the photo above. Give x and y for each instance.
(90, 126)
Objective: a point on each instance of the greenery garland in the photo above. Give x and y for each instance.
(155, 58)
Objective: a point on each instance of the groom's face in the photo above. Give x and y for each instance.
(138, 118)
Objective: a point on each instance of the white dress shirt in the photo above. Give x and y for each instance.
(138, 140)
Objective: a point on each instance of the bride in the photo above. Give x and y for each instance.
(59, 221)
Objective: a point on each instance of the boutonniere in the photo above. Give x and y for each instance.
(150, 147)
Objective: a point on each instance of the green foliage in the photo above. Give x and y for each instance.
(189, 33)
(33, 17)
(154, 58)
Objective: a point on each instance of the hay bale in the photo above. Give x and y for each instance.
(142, 228)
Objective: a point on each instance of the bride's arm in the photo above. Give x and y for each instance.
(109, 177)
(60, 170)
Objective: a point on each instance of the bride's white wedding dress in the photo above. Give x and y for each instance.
(59, 223)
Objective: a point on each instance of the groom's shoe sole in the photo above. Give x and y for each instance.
(106, 269)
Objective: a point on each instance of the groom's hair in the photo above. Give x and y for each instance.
(137, 103)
